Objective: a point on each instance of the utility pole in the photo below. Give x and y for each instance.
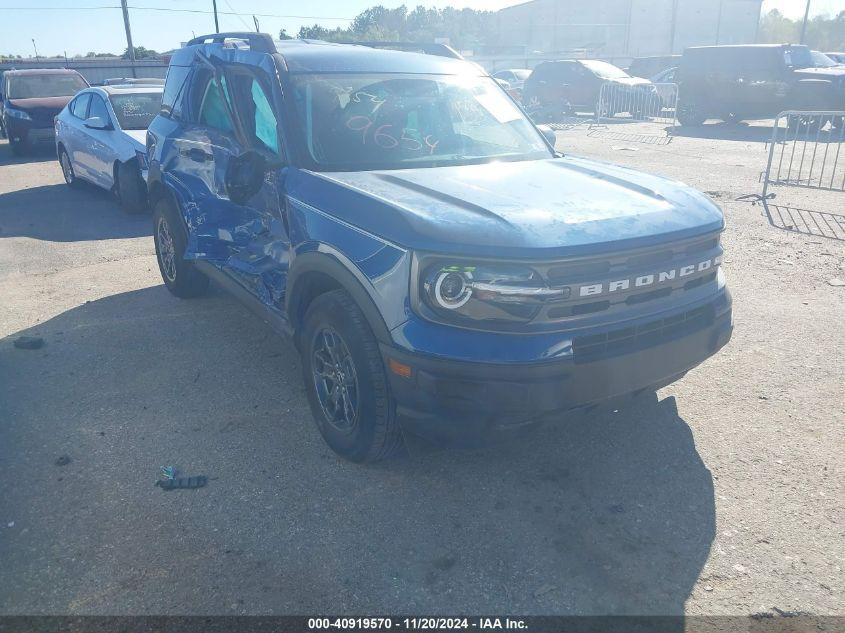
(257, 27)
(128, 35)
(216, 23)
(35, 47)
(804, 25)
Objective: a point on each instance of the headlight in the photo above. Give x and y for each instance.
(18, 114)
(482, 292)
(142, 160)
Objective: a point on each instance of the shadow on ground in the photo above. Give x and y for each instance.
(60, 214)
(723, 131)
(609, 513)
(806, 221)
(41, 153)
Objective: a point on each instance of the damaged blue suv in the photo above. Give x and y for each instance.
(440, 268)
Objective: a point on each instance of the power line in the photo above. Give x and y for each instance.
(231, 8)
(172, 10)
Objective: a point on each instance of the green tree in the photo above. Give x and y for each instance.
(824, 33)
(140, 53)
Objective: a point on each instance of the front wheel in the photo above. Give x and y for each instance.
(345, 380)
(19, 148)
(131, 189)
(180, 276)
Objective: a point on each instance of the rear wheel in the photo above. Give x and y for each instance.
(180, 276)
(67, 169)
(131, 188)
(345, 380)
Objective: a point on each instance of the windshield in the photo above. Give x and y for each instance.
(394, 121)
(798, 57)
(604, 70)
(40, 86)
(820, 60)
(136, 111)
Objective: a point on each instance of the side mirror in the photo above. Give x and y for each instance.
(98, 123)
(549, 133)
(245, 175)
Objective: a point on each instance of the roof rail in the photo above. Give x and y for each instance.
(441, 50)
(259, 42)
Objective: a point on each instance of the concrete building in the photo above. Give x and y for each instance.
(618, 29)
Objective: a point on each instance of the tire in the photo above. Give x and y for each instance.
(367, 429)
(180, 276)
(131, 189)
(690, 114)
(67, 169)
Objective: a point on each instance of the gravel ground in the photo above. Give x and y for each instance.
(723, 495)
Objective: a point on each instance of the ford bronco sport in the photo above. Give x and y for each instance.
(439, 267)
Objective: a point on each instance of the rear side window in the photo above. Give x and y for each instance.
(171, 99)
(79, 107)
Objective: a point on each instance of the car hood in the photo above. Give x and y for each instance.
(138, 138)
(41, 103)
(834, 72)
(522, 209)
(630, 81)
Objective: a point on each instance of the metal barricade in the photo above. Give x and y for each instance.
(655, 103)
(807, 151)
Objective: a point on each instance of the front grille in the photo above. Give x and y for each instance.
(590, 278)
(629, 339)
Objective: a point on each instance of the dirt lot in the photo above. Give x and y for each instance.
(722, 496)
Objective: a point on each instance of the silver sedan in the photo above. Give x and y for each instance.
(101, 138)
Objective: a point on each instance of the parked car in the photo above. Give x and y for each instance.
(664, 81)
(101, 138)
(516, 79)
(650, 66)
(839, 58)
(754, 81)
(436, 263)
(820, 60)
(30, 99)
(558, 87)
(133, 81)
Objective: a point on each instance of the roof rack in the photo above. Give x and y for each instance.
(259, 42)
(441, 50)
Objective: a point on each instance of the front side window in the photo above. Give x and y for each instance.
(135, 111)
(394, 121)
(79, 109)
(46, 85)
(265, 121)
(99, 109)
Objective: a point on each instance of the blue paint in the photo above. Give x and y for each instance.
(376, 225)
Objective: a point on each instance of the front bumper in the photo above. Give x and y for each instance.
(24, 131)
(449, 398)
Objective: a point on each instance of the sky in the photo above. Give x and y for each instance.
(78, 26)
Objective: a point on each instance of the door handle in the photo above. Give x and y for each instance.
(197, 155)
